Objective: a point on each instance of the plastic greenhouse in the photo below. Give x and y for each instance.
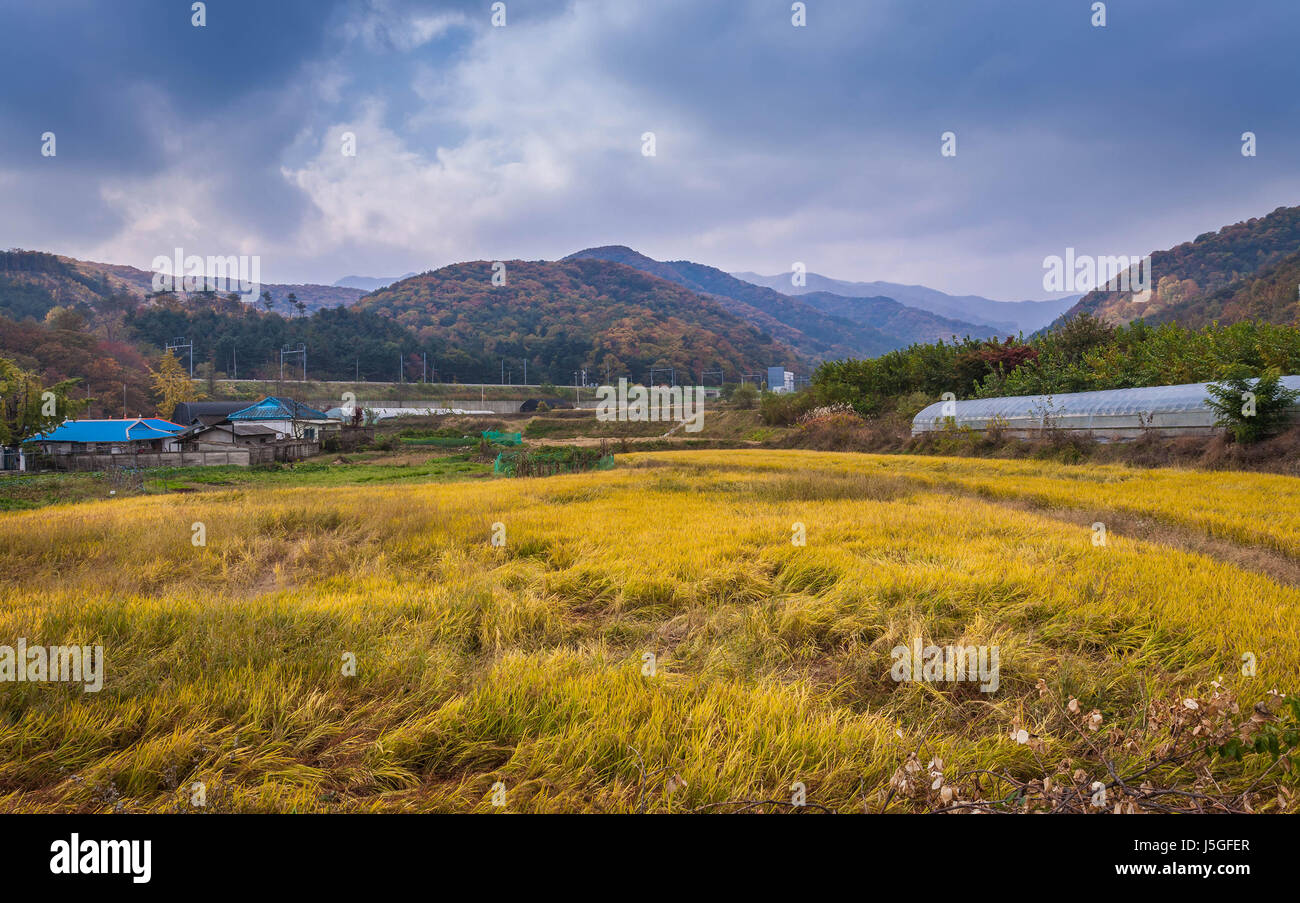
(1111, 414)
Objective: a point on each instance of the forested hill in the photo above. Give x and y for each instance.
(578, 314)
(824, 326)
(34, 282)
(816, 335)
(1239, 272)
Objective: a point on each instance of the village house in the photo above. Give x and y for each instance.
(223, 435)
(110, 437)
(201, 434)
(289, 418)
(206, 413)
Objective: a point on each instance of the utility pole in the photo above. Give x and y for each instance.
(503, 372)
(424, 374)
(180, 342)
(286, 350)
(671, 371)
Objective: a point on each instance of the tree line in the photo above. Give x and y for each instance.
(1081, 355)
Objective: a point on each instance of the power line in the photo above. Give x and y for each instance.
(180, 342)
(286, 351)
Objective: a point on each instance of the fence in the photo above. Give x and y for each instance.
(294, 450)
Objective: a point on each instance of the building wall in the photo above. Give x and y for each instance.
(292, 450)
(296, 429)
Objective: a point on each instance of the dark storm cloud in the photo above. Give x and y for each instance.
(818, 144)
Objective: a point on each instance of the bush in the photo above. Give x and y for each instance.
(786, 409)
(913, 403)
(839, 428)
(745, 397)
(1252, 409)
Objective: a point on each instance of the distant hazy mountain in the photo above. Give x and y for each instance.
(1007, 316)
(369, 283)
(1245, 271)
(822, 328)
(908, 324)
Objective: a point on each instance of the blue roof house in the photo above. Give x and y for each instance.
(109, 437)
(289, 418)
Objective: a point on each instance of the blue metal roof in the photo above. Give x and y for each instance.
(111, 430)
(272, 408)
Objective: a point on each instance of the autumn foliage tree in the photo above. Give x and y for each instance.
(27, 408)
(172, 385)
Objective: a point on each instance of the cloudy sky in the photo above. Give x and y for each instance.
(773, 143)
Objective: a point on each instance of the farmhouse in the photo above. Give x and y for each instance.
(222, 435)
(110, 437)
(289, 418)
(201, 434)
(189, 413)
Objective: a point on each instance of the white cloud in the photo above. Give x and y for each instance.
(774, 145)
(383, 25)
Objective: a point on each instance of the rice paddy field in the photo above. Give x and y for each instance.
(697, 631)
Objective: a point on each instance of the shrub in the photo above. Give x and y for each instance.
(1252, 409)
(912, 404)
(785, 409)
(745, 397)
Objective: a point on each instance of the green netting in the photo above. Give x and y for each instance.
(497, 438)
(542, 462)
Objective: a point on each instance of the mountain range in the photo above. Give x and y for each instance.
(608, 309)
(33, 282)
(1008, 317)
(820, 329)
(575, 314)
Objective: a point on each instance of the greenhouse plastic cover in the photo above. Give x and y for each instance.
(1174, 406)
